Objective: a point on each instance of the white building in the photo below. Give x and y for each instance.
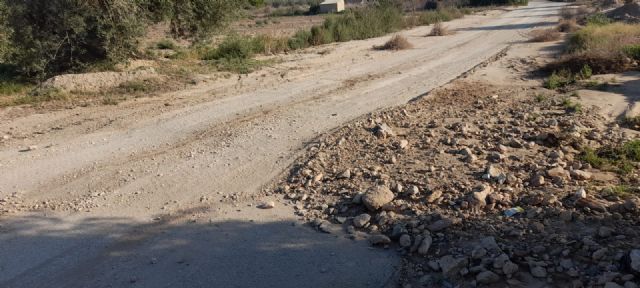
(332, 6)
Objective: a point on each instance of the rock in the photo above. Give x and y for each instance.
(537, 180)
(599, 254)
(558, 172)
(499, 261)
(361, 220)
(539, 272)
(376, 197)
(478, 253)
(451, 266)
(580, 193)
(480, 196)
(495, 157)
(487, 277)
(632, 204)
(605, 232)
(441, 224)
(423, 249)
(469, 157)
(592, 204)
(357, 199)
(493, 171)
(346, 174)
(634, 259)
(581, 175)
(510, 268)
(405, 241)
(327, 227)
(267, 205)
(403, 144)
(383, 131)
(566, 215)
(434, 196)
(612, 285)
(379, 239)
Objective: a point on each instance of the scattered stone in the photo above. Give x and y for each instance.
(434, 196)
(510, 268)
(581, 175)
(441, 224)
(487, 277)
(404, 241)
(403, 144)
(451, 266)
(383, 131)
(423, 249)
(379, 239)
(267, 205)
(376, 197)
(539, 272)
(634, 258)
(361, 220)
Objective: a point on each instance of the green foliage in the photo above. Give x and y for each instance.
(598, 19)
(571, 107)
(585, 72)
(301, 39)
(619, 159)
(559, 79)
(49, 37)
(166, 44)
(632, 51)
(236, 47)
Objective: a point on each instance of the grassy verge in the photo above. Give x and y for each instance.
(619, 159)
(605, 47)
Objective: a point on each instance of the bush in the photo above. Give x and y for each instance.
(632, 51)
(585, 72)
(544, 35)
(300, 40)
(439, 30)
(236, 47)
(603, 48)
(616, 158)
(397, 42)
(166, 44)
(568, 26)
(598, 19)
(55, 36)
(559, 79)
(498, 2)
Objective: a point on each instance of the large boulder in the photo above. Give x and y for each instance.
(376, 197)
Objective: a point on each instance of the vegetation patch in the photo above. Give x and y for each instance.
(619, 159)
(397, 42)
(544, 35)
(605, 48)
(439, 30)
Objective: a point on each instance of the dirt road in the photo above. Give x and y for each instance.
(161, 192)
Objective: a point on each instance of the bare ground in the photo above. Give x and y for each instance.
(162, 191)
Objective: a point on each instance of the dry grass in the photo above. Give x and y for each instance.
(577, 13)
(544, 35)
(568, 25)
(397, 42)
(603, 48)
(439, 30)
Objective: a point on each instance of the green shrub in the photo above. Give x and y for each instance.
(571, 107)
(598, 19)
(585, 72)
(300, 40)
(55, 36)
(236, 47)
(619, 158)
(633, 51)
(166, 44)
(559, 79)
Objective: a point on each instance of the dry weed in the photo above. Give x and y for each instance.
(568, 25)
(397, 42)
(544, 35)
(439, 30)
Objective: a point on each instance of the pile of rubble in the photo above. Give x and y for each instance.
(479, 186)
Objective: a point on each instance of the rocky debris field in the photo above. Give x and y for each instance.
(482, 186)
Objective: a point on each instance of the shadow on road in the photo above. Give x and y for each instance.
(166, 253)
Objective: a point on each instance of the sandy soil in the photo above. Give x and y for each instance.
(162, 191)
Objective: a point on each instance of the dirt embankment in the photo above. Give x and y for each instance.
(486, 182)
